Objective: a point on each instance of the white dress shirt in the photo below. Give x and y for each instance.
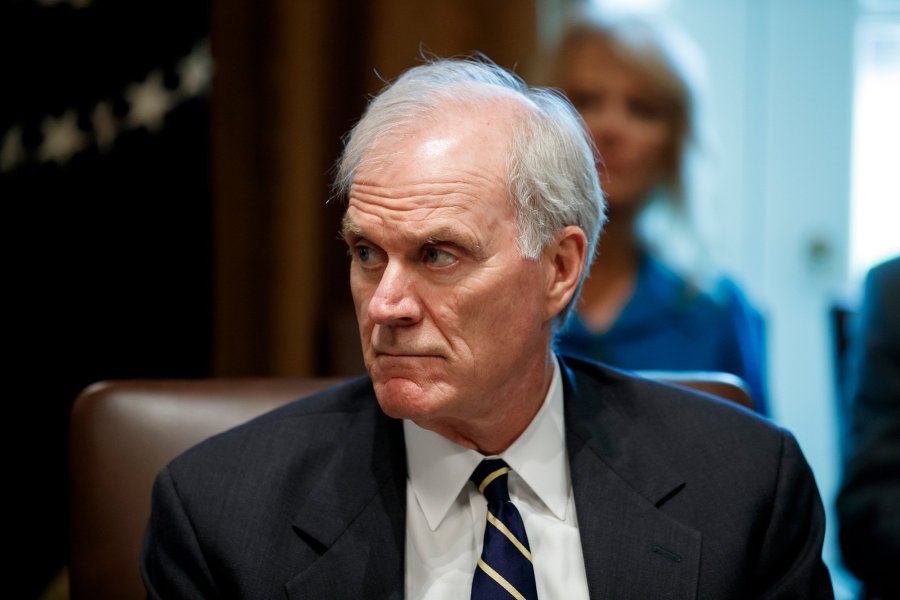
(445, 515)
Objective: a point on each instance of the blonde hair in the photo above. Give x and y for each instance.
(668, 58)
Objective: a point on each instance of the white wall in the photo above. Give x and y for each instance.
(781, 77)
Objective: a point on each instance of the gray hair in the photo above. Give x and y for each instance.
(551, 174)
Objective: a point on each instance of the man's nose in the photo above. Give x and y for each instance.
(395, 301)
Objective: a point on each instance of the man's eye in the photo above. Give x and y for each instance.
(366, 254)
(437, 257)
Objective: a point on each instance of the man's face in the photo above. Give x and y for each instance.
(451, 316)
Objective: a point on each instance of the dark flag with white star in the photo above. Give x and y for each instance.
(105, 189)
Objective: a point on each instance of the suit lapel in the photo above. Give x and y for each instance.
(356, 516)
(631, 548)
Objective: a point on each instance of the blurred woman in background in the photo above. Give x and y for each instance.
(650, 302)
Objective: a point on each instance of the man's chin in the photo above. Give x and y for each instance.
(404, 398)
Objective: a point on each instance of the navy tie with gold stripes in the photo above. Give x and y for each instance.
(504, 570)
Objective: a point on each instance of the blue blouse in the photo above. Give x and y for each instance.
(669, 324)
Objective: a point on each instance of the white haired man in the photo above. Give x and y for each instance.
(473, 210)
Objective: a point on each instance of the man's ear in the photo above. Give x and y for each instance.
(564, 260)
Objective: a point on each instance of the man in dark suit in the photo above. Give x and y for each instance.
(868, 505)
(473, 212)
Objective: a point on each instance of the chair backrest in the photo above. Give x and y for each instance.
(724, 385)
(124, 432)
(121, 434)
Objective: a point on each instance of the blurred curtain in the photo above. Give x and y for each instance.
(290, 79)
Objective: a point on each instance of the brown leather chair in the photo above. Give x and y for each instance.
(724, 385)
(124, 432)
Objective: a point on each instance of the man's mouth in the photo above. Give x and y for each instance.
(396, 354)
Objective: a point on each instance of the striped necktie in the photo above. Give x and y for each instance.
(504, 570)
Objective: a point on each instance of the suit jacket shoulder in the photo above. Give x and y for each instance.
(296, 500)
(712, 499)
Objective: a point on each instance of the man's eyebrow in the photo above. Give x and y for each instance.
(450, 235)
(348, 227)
(438, 235)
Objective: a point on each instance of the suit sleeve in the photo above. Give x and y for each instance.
(868, 506)
(790, 558)
(172, 562)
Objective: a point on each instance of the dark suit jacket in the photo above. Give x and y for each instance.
(868, 506)
(677, 496)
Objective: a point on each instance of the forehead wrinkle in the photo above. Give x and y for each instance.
(458, 181)
(415, 196)
(420, 201)
(410, 208)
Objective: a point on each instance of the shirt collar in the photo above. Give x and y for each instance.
(439, 468)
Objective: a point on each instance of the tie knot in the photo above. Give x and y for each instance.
(490, 477)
